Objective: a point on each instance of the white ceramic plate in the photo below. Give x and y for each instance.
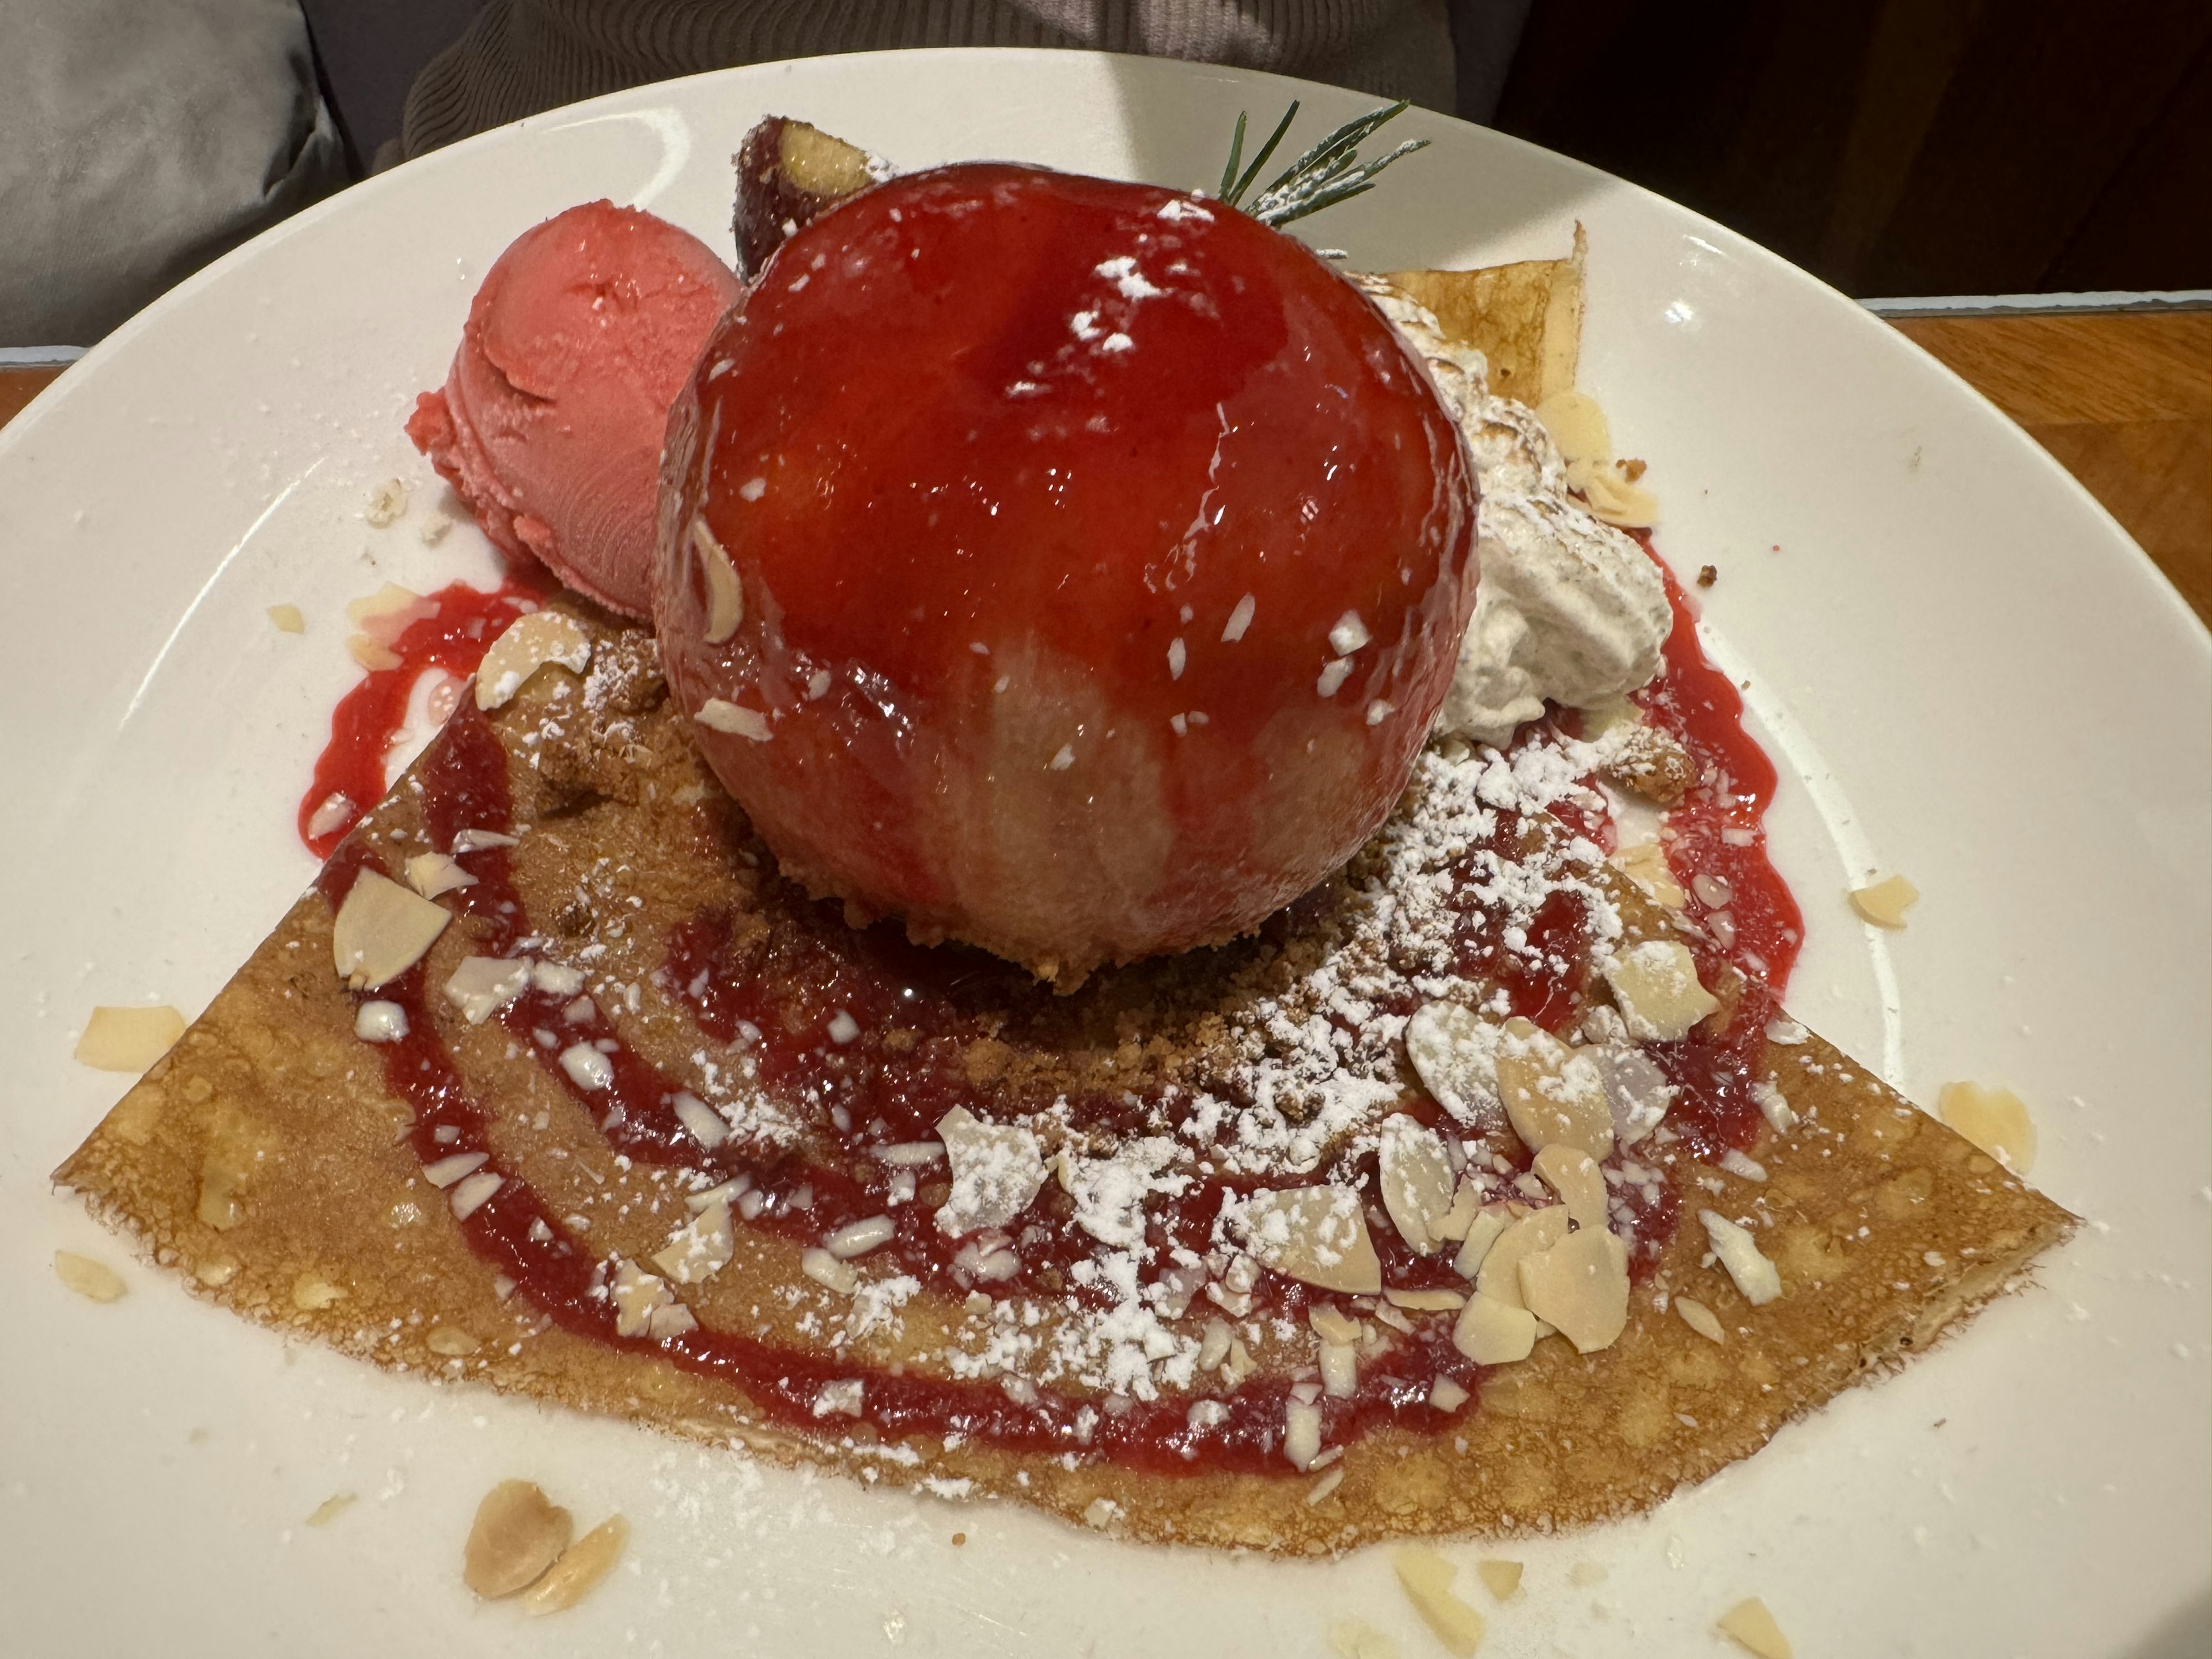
(1967, 672)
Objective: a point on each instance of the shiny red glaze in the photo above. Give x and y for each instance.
(368, 717)
(973, 473)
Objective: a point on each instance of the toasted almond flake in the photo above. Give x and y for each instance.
(636, 1295)
(1316, 1235)
(1177, 657)
(1739, 1253)
(445, 1171)
(1302, 1433)
(1578, 426)
(434, 528)
(471, 1192)
(1699, 1318)
(1332, 1324)
(1239, 619)
(1334, 673)
(840, 1399)
(336, 812)
(388, 504)
(517, 1535)
(1611, 497)
(384, 615)
(1742, 1166)
(481, 986)
(1489, 1224)
(1501, 1578)
(542, 639)
(1655, 987)
(1427, 1301)
(1493, 1333)
(1348, 635)
(477, 840)
(1500, 1277)
(1467, 1204)
(1213, 1347)
(432, 873)
(1447, 1394)
(1353, 1638)
(1325, 1488)
(287, 619)
(1553, 1095)
(1379, 710)
(95, 1280)
(1455, 1054)
(1774, 1106)
(998, 1170)
(1571, 1173)
(859, 1238)
(1417, 1182)
(1644, 862)
(1884, 902)
(379, 1021)
(1340, 1370)
(1426, 1578)
(330, 1508)
(128, 1039)
(829, 1271)
(371, 654)
(717, 714)
(580, 1568)
(381, 931)
(725, 599)
(1995, 1120)
(1750, 1626)
(1580, 1287)
(312, 1292)
(700, 1121)
(451, 1342)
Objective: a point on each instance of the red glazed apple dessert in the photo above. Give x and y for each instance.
(1067, 567)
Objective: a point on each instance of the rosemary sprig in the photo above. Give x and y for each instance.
(1331, 171)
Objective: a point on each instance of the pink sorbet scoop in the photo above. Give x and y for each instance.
(550, 426)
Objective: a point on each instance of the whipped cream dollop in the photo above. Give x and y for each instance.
(1568, 607)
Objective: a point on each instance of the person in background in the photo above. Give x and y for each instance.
(140, 139)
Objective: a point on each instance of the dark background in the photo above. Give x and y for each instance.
(1891, 147)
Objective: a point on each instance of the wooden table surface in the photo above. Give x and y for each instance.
(2124, 399)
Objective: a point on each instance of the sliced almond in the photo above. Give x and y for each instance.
(312, 1292)
(88, 1278)
(451, 1342)
(481, 986)
(518, 1533)
(1501, 1578)
(1739, 1253)
(381, 931)
(1316, 1235)
(998, 1170)
(1699, 1318)
(637, 1295)
(1644, 862)
(1553, 1094)
(1418, 1182)
(1580, 1287)
(1656, 986)
(1426, 1578)
(1752, 1627)
(1493, 1333)
(385, 615)
(1332, 1324)
(128, 1039)
(432, 873)
(287, 619)
(1500, 1275)
(1995, 1119)
(1573, 1174)
(1455, 1052)
(1340, 1370)
(373, 654)
(725, 599)
(1302, 1432)
(1884, 902)
(1613, 498)
(1427, 1301)
(1578, 426)
(717, 714)
(542, 639)
(1466, 1205)
(1484, 1230)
